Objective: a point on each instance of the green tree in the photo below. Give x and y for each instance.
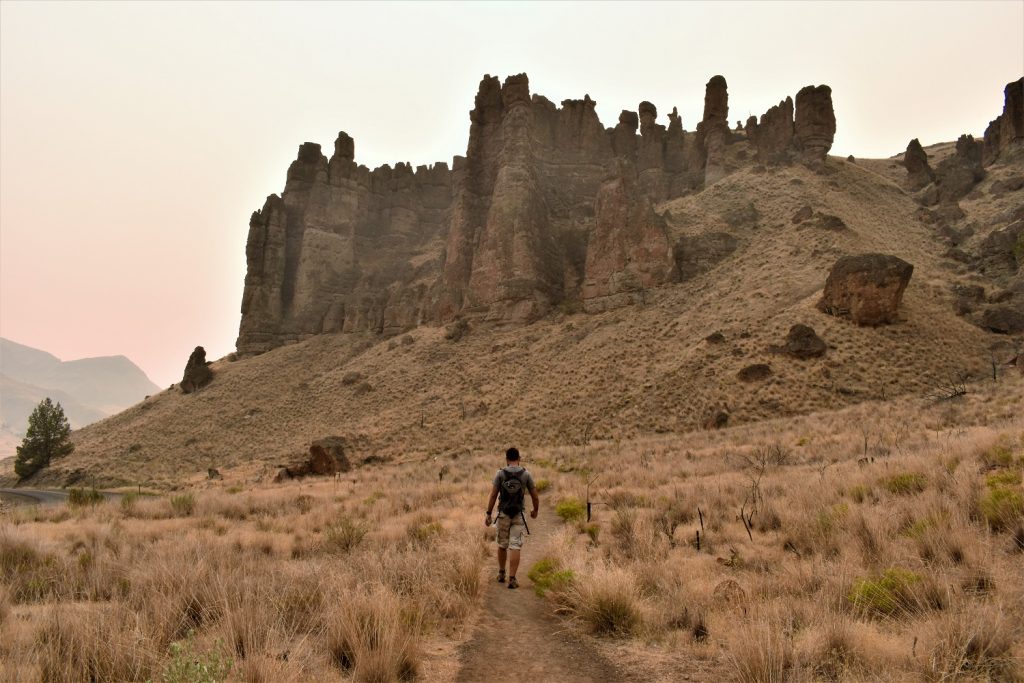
(48, 437)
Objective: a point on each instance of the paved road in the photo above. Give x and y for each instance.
(41, 496)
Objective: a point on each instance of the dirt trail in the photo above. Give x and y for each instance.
(518, 633)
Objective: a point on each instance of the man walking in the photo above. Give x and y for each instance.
(509, 488)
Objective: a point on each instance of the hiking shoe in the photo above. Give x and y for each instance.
(512, 583)
(501, 576)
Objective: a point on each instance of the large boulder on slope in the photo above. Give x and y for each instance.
(866, 288)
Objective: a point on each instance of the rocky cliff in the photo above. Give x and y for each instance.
(547, 208)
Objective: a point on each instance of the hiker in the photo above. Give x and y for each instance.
(509, 488)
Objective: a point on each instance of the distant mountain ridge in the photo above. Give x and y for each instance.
(88, 389)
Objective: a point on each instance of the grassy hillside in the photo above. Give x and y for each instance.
(630, 372)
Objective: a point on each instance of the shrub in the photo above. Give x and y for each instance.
(547, 575)
(1001, 507)
(98, 645)
(183, 505)
(761, 654)
(571, 509)
(860, 493)
(128, 501)
(906, 484)
(82, 497)
(1004, 478)
(371, 637)
(424, 531)
(979, 641)
(542, 485)
(342, 536)
(607, 602)
(896, 591)
(998, 455)
(189, 666)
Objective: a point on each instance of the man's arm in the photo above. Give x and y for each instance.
(490, 502)
(536, 502)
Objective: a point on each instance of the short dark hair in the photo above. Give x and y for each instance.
(512, 454)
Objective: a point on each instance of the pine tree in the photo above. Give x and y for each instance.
(48, 437)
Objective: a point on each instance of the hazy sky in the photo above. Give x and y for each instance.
(136, 139)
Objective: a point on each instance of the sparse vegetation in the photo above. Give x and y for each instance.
(546, 574)
(359, 577)
(906, 484)
(571, 509)
(78, 497)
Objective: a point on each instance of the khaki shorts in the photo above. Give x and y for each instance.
(510, 532)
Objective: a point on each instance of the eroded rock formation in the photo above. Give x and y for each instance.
(1006, 131)
(915, 160)
(866, 288)
(957, 175)
(197, 372)
(547, 206)
(815, 125)
(713, 130)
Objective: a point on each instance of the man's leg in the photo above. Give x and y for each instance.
(513, 556)
(502, 553)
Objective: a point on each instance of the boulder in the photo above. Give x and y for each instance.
(716, 419)
(803, 214)
(1003, 319)
(755, 373)
(326, 457)
(866, 288)
(197, 372)
(803, 342)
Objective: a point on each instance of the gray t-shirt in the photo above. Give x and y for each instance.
(499, 478)
(527, 480)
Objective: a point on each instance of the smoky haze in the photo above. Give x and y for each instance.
(136, 139)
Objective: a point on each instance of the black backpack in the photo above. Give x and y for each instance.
(511, 493)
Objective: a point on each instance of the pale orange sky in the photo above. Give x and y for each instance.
(136, 139)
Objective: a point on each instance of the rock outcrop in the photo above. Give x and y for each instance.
(773, 136)
(628, 251)
(866, 288)
(547, 207)
(197, 371)
(815, 125)
(713, 130)
(957, 175)
(915, 160)
(1006, 131)
(326, 457)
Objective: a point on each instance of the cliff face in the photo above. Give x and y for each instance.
(547, 207)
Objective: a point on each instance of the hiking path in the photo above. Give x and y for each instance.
(519, 633)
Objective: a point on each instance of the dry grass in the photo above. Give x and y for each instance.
(300, 582)
(839, 570)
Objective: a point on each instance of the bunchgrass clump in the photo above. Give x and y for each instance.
(183, 505)
(82, 497)
(343, 535)
(907, 483)
(607, 603)
(896, 592)
(571, 509)
(547, 575)
(1002, 507)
